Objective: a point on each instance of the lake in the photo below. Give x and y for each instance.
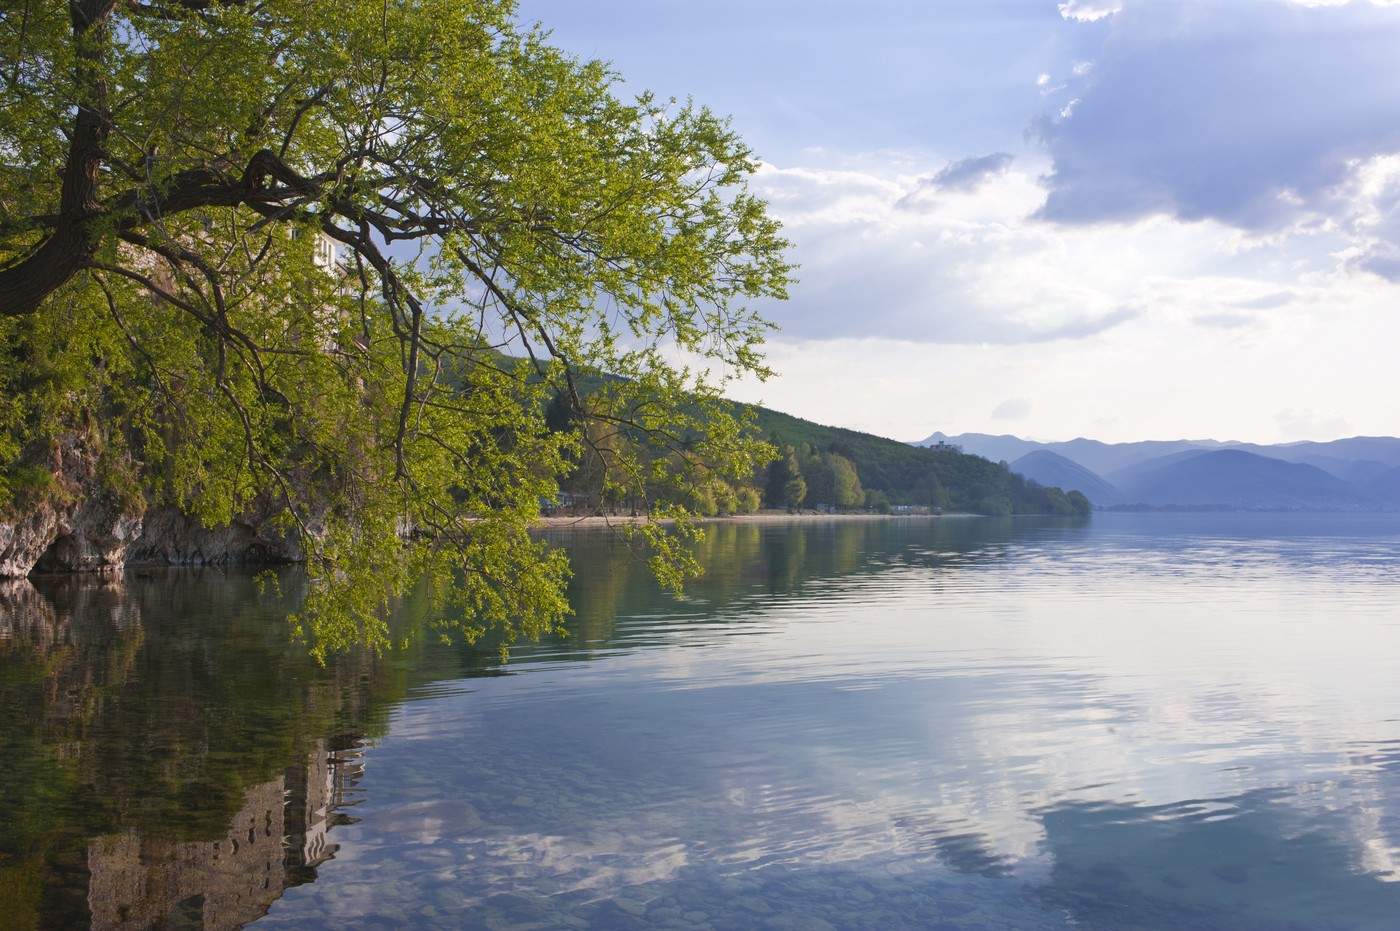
(1134, 721)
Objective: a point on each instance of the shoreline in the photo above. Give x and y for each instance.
(763, 517)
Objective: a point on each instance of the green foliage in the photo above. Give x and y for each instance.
(847, 491)
(940, 477)
(795, 492)
(996, 506)
(791, 483)
(747, 500)
(784, 485)
(832, 479)
(200, 351)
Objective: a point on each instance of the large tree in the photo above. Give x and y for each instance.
(507, 227)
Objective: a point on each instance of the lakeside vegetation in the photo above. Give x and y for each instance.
(338, 272)
(937, 477)
(244, 246)
(814, 466)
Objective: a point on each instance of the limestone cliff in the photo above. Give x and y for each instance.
(79, 524)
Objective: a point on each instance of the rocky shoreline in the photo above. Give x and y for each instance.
(79, 523)
(93, 539)
(557, 522)
(79, 530)
(96, 533)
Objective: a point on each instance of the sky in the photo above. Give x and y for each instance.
(1122, 219)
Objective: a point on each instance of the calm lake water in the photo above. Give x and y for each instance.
(1138, 721)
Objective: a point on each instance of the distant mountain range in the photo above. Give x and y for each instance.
(1360, 473)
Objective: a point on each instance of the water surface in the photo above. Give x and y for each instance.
(1138, 721)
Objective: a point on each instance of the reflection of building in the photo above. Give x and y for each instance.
(138, 882)
(276, 840)
(315, 791)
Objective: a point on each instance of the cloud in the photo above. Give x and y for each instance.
(1266, 301)
(967, 174)
(964, 269)
(1012, 409)
(1084, 326)
(1225, 321)
(1089, 11)
(959, 177)
(1253, 113)
(1374, 225)
(1382, 260)
(1308, 424)
(974, 269)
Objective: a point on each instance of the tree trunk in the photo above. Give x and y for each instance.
(72, 243)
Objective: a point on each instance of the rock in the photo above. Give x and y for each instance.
(80, 524)
(98, 535)
(170, 538)
(77, 523)
(24, 538)
(94, 537)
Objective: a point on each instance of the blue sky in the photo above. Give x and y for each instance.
(1113, 218)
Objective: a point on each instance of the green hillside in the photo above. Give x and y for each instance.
(889, 472)
(936, 476)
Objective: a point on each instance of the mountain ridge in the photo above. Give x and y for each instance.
(1350, 473)
(1050, 468)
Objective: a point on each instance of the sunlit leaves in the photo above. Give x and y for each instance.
(508, 226)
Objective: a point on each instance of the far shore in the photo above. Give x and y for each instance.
(557, 522)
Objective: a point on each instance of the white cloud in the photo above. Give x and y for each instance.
(1225, 320)
(889, 251)
(1266, 301)
(1012, 409)
(1308, 424)
(1089, 11)
(964, 175)
(1373, 219)
(1254, 113)
(1223, 382)
(1343, 2)
(920, 309)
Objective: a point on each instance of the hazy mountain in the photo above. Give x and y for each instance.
(1003, 448)
(1356, 471)
(1054, 470)
(1098, 457)
(1134, 475)
(1363, 463)
(1233, 478)
(1105, 458)
(1384, 449)
(1385, 488)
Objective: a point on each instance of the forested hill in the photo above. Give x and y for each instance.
(933, 476)
(886, 472)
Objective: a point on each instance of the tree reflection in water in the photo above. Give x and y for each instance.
(170, 754)
(174, 757)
